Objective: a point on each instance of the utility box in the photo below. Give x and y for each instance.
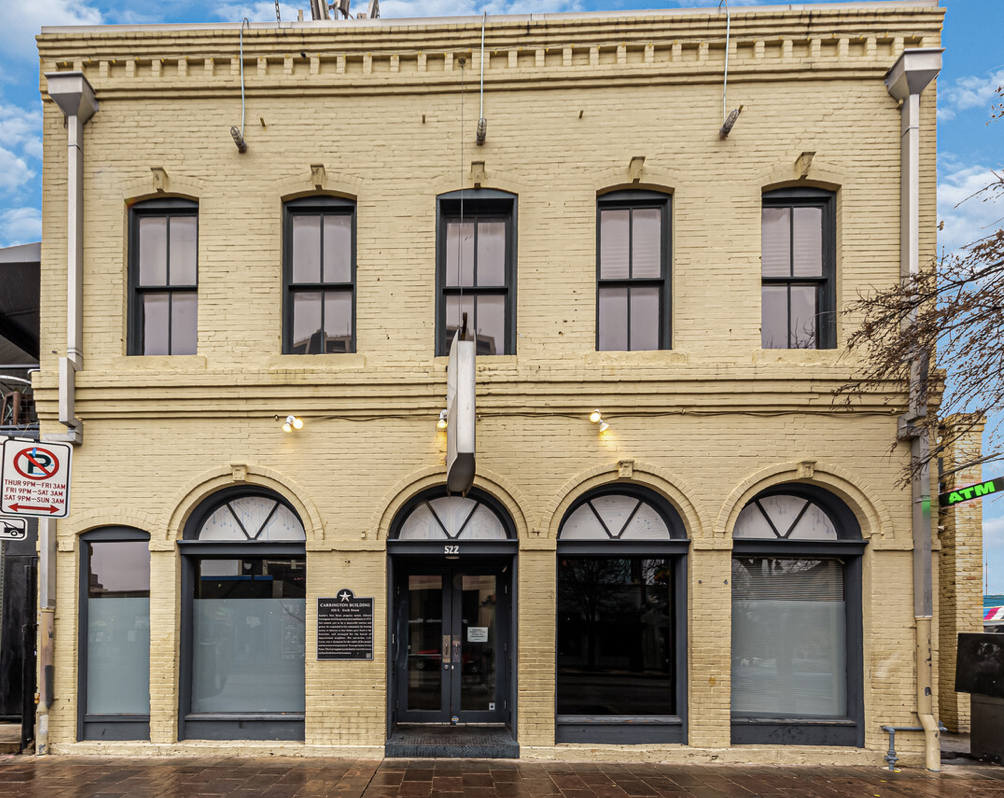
(979, 671)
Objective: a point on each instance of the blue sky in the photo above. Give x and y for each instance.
(967, 147)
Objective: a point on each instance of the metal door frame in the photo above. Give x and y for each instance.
(399, 569)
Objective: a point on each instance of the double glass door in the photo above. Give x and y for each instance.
(452, 644)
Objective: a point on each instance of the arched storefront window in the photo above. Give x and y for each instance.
(796, 620)
(621, 625)
(114, 676)
(244, 582)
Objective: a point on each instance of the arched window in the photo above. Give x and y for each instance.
(244, 609)
(621, 625)
(796, 620)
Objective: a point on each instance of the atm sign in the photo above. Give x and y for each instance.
(960, 495)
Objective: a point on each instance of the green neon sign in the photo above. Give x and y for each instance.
(966, 494)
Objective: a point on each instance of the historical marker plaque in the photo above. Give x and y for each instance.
(345, 627)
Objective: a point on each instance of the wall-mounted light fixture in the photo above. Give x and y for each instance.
(291, 423)
(444, 419)
(597, 418)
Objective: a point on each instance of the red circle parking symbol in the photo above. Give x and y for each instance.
(36, 463)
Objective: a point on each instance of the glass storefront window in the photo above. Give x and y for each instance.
(789, 638)
(118, 628)
(249, 635)
(615, 636)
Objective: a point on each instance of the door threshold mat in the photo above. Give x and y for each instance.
(414, 741)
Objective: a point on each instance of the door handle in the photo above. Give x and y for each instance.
(446, 652)
(456, 649)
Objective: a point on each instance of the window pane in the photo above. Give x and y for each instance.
(283, 525)
(483, 525)
(774, 317)
(803, 317)
(644, 318)
(614, 243)
(421, 525)
(306, 249)
(789, 655)
(808, 244)
(425, 628)
(456, 307)
(338, 248)
(477, 652)
(612, 320)
(491, 253)
(337, 321)
(491, 325)
(184, 323)
(184, 245)
(251, 512)
(155, 320)
(583, 525)
(118, 628)
(646, 243)
(460, 254)
(306, 323)
(775, 243)
(615, 637)
(248, 636)
(153, 250)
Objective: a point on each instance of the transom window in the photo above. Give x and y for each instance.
(476, 270)
(632, 293)
(784, 517)
(252, 518)
(615, 516)
(453, 518)
(798, 255)
(319, 274)
(163, 277)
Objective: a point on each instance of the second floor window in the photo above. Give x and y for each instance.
(476, 271)
(632, 285)
(163, 277)
(319, 268)
(797, 256)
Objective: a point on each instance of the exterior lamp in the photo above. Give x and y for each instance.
(443, 421)
(597, 418)
(291, 423)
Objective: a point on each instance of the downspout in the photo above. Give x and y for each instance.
(75, 98)
(910, 75)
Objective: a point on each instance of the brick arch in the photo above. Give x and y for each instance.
(618, 178)
(871, 513)
(496, 486)
(177, 187)
(209, 482)
(336, 183)
(79, 523)
(673, 489)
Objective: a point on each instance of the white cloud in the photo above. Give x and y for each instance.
(972, 91)
(262, 11)
(401, 9)
(20, 26)
(14, 172)
(993, 532)
(20, 226)
(975, 217)
(21, 129)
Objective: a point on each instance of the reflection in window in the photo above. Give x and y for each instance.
(797, 262)
(615, 636)
(789, 639)
(164, 276)
(118, 628)
(632, 298)
(320, 276)
(249, 635)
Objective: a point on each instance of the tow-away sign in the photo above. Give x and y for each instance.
(35, 479)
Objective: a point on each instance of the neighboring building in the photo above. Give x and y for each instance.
(719, 568)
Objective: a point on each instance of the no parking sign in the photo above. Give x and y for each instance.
(35, 479)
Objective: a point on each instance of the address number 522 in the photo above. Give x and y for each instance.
(451, 549)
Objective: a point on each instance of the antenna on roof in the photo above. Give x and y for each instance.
(319, 9)
(342, 6)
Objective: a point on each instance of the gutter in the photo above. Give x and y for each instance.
(907, 79)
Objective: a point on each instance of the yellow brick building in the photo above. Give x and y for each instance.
(721, 568)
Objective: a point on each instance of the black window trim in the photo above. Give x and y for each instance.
(633, 729)
(90, 726)
(227, 725)
(826, 317)
(314, 204)
(484, 203)
(631, 199)
(849, 548)
(167, 207)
